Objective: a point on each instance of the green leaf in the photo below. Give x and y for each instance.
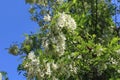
(29, 1)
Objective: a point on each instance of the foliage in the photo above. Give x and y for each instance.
(77, 41)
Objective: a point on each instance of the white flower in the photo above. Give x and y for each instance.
(45, 43)
(65, 20)
(73, 69)
(113, 61)
(31, 55)
(58, 41)
(26, 65)
(32, 66)
(53, 39)
(60, 45)
(35, 62)
(47, 18)
(0, 76)
(72, 23)
(61, 20)
(54, 66)
(118, 71)
(62, 36)
(79, 57)
(48, 72)
(118, 51)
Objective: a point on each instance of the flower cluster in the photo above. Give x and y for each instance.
(34, 68)
(53, 41)
(32, 65)
(58, 42)
(73, 69)
(47, 69)
(54, 66)
(65, 20)
(47, 18)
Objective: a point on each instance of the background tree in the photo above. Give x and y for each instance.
(77, 41)
(3, 75)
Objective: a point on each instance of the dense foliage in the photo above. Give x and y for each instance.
(77, 41)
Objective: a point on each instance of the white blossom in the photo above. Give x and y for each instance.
(62, 36)
(45, 42)
(42, 74)
(32, 66)
(26, 65)
(79, 57)
(48, 72)
(60, 45)
(65, 20)
(55, 66)
(58, 41)
(73, 69)
(118, 51)
(61, 20)
(31, 55)
(118, 70)
(113, 61)
(47, 18)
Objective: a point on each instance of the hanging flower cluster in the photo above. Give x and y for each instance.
(47, 69)
(65, 20)
(58, 41)
(56, 36)
(32, 64)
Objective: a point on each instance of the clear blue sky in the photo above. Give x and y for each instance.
(14, 22)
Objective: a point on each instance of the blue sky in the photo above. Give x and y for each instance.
(117, 17)
(14, 22)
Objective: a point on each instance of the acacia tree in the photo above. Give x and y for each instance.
(77, 41)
